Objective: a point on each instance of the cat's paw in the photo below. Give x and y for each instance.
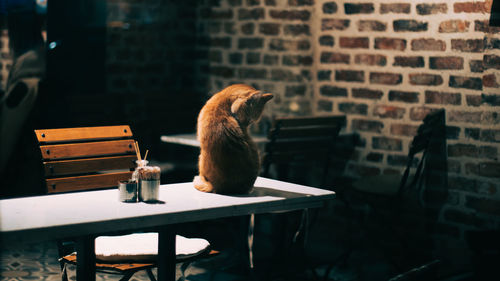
(202, 185)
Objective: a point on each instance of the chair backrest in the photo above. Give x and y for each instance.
(293, 139)
(86, 158)
(432, 127)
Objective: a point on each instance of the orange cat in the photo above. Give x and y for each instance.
(229, 159)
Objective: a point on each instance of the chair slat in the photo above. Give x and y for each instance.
(80, 166)
(301, 145)
(83, 134)
(74, 150)
(294, 156)
(311, 121)
(303, 132)
(55, 185)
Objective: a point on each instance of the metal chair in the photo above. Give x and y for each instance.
(89, 158)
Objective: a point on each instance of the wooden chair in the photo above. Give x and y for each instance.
(297, 141)
(89, 158)
(392, 195)
(301, 140)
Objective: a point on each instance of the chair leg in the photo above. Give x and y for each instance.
(127, 276)
(64, 273)
(150, 274)
(250, 238)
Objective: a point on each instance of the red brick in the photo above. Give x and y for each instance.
(325, 105)
(252, 73)
(483, 205)
(334, 24)
(469, 45)
(464, 116)
(472, 133)
(484, 26)
(354, 42)
(473, 100)
(350, 75)
(476, 66)
(454, 26)
(408, 61)
(353, 108)
(425, 79)
(490, 118)
(408, 97)
(419, 113)
(385, 78)
(367, 125)
(490, 81)
(327, 40)
(374, 157)
(289, 45)
(330, 8)
(473, 83)
(296, 29)
(431, 9)
(386, 111)
(446, 63)
(290, 14)
(251, 14)
(300, 2)
(386, 143)
(366, 93)
(490, 135)
(430, 44)
(331, 57)
(289, 76)
(361, 8)
(371, 25)
(295, 90)
(324, 75)
(297, 60)
(472, 7)
(409, 25)
(404, 130)
(460, 150)
(250, 43)
(331, 91)
(270, 59)
(433, 97)
(397, 8)
(366, 59)
(248, 28)
(269, 28)
(390, 44)
(491, 62)
(490, 99)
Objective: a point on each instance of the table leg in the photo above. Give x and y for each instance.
(85, 262)
(166, 254)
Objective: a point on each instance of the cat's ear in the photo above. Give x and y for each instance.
(235, 107)
(266, 97)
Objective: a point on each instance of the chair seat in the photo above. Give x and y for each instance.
(143, 247)
(387, 185)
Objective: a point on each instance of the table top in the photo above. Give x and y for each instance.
(190, 139)
(49, 217)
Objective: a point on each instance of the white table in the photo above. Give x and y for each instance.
(87, 214)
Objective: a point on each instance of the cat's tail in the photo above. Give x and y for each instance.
(202, 185)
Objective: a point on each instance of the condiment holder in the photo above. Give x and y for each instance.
(145, 183)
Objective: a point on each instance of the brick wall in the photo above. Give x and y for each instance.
(385, 64)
